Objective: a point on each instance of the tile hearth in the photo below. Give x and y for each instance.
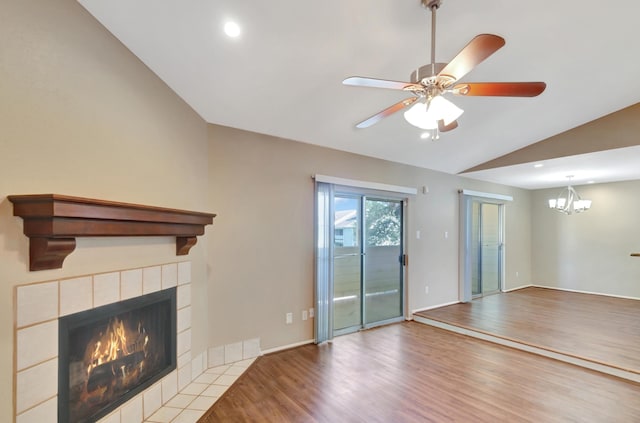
(197, 397)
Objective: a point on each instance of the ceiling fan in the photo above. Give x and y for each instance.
(430, 110)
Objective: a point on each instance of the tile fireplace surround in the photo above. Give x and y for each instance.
(181, 396)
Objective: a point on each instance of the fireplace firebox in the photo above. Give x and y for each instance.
(109, 354)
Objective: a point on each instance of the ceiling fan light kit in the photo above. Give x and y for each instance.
(427, 115)
(429, 83)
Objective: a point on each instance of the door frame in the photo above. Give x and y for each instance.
(363, 196)
(328, 185)
(481, 242)
(466, 198)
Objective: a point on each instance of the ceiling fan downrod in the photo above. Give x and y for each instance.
(432, 5)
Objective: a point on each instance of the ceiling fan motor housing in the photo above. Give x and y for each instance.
(431, 83)
(426, 73)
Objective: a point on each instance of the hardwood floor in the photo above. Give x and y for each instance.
(592, 327)
(410, 372)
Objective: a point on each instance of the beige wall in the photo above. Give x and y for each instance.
(262, 247)
(80, 115)
(589, 251)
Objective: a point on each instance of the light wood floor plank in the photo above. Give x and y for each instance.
(410, 372)
(592, 327)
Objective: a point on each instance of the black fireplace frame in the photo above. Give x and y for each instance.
(67, 323)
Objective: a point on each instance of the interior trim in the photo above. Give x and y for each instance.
(53, 222)
(365, 184)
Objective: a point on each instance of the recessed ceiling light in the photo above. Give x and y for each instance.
(538, 165)
(425, 135)
(232, 29)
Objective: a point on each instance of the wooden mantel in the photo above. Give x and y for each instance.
(53, 222)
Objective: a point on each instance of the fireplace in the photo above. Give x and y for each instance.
(111, 353)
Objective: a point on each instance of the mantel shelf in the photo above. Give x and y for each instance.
(53, 222)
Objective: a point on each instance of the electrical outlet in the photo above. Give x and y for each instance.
(426, 289)
(311, 312)
(305, 314)
(289, 318)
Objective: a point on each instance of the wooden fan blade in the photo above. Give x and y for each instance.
(504, 89)
(386, 112)
(474, 53)
(444, 128)
(359, 81)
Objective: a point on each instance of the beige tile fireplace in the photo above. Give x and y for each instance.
(181, 396)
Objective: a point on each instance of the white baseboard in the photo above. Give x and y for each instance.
(434, 306)
(586, 292)
(286, 347)
(517, 288)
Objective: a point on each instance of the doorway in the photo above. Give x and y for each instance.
(367, 261)
(482, 247)
(360, 258)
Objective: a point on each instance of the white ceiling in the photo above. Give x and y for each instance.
(283, 75)
(622, 164)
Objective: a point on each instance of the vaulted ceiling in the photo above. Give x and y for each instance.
(282, 76)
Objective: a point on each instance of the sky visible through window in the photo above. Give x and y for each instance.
(342, 203)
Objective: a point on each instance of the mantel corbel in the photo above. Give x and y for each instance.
(52, 222)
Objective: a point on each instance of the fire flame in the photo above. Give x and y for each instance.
(118, 355)
(114, 347)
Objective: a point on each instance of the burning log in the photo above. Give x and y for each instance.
(105, 374)
(113, 360)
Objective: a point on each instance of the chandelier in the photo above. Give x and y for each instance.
(569, 201)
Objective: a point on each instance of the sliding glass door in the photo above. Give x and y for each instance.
(348, 256)
(486, 248)
(383, 261)
(367, 261)
(482, 248)
(491, 249)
